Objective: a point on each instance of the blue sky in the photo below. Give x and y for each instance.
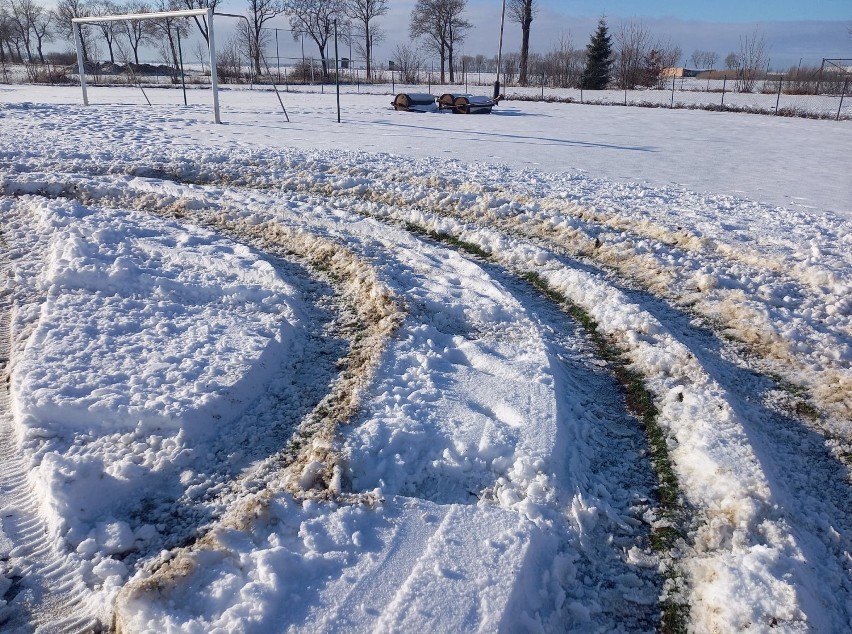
(794, 29)
(715, 11)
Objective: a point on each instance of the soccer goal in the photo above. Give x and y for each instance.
(78, 42)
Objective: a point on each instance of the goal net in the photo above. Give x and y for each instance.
(208, 13)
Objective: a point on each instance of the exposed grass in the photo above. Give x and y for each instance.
(446, 238)
(639, 400)
(802, 405)
(640, 403)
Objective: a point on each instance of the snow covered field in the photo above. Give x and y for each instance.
(559, 368)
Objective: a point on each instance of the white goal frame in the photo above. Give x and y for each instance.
(208, 13)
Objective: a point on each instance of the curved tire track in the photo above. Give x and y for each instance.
(47, 592)
(766, 434)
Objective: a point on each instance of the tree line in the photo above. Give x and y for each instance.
(627, 57)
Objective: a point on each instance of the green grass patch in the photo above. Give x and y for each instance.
(806, 410)
(449, 240)
(640, 402)
(802, 406)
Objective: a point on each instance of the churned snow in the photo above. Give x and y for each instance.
(162, 355)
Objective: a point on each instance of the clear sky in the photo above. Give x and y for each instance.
(715, 11)
(795, 30)
(806, 30)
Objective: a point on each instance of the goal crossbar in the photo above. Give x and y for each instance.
(184, 13)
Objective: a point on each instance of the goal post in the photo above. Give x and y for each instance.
(208, 13)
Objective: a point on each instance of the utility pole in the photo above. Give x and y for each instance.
(500, 51)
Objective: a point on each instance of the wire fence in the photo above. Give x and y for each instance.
(293, 61)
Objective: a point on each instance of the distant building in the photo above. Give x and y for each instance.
(679, 72)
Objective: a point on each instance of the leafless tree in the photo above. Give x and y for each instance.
(407, 62)
(752, 61)
(440, 23)
(201, 21)
(28, 19)
(316, 18)
(137, 32)
(362, 13)
(259, 13)
(732, 61)
(511, 62)
(43, 29)
(565, 62)
(633, 43)
(109, 30)
(704, 60)
(523, 12)
(67, 10)
(166, 30)
(5, 35)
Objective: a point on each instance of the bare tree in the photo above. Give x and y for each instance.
(752, 60)
(362, 13)
(523, 12)
(316, 18)
(23, 16)
(440, 23)
(137, 32)
(259, 13)
(633, 44)
(408, 62)
(67, 10)
(732, 61)
(200, 20)
(43, 27)
(5, 34)
(109, 30)
(9, 36)
(167, 29)
(457, 28)
(704, 60)
(566, 62)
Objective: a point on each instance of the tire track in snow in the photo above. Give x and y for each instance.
(636, 248)
(604, 504)
(47, 592)
(809, 486)
(613, 507)
(824, 539)
(742, 411)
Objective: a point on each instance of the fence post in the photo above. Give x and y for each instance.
(673, 88)
(278, 57)
(180, 57)
(336, 71)
(724, 82)
(819, 77)
(778, 98)
(842, 93)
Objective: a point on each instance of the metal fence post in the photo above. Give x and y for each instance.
(778, 98)
(842, 93)
(724, 83)
(180, 57)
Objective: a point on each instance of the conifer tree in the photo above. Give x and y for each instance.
(598, 59)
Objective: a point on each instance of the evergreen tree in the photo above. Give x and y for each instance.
(598, 59)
